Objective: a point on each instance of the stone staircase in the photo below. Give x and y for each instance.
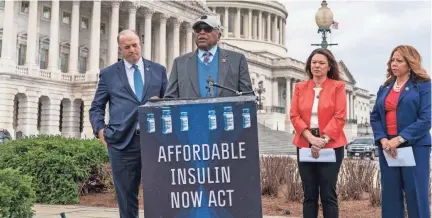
(273, 142)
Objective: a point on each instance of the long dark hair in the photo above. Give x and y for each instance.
(334, 67)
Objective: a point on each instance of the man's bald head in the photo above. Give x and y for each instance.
(125, 33)
(129, 44)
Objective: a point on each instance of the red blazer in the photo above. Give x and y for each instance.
(331, 111)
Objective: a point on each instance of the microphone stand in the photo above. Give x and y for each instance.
(232, 90)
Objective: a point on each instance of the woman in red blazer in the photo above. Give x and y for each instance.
(318, 114)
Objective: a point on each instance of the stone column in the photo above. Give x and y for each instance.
(50, 116)
(283, 33)
(250, 24)
(54, 36)
(176, 37)
(74, 38)
(7, 96)
(255, 31)
(274, 38)
(280, 31)
(113, 45)
(237, 24)
(28, 114)
(148, 14)
(260, 26)
(132, 16)
(351, 108)
(189, 40)
(32, 34)
(226, 22)
(269, 27)
(348, 104)
(87, 128)
(7, 57)
(275, 92)
(162, 37)
(95, 39)
(288, 95)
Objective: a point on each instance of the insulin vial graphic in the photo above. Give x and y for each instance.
(228, 118)
(212, 119)
(246, 118)
(184, 124)
(150, 123)
(166, 121)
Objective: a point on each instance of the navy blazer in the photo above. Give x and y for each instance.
(413, 113)
(114, 88)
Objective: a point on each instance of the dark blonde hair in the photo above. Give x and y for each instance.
(413, 59)
(333, 73)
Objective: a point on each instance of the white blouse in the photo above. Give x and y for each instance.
(314, 116)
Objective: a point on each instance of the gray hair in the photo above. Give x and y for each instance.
(124, 32)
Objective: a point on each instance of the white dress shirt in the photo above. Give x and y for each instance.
(314, 116)
(212, 51)
(130, 72)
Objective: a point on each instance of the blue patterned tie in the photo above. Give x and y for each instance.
(138, 82)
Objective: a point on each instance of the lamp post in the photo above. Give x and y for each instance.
(324, 19)
(260, 90)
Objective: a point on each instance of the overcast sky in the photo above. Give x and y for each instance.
(368, 31)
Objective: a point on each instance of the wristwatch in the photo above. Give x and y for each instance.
(401, 140)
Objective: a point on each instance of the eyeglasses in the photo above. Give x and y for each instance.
(207, 29)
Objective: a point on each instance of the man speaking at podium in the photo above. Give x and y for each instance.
(193, 74)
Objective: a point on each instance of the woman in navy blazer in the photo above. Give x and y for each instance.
(401, 117)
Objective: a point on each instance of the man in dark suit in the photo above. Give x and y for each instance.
(126, 85)
(190, 72)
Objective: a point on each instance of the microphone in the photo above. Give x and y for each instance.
(210, 86)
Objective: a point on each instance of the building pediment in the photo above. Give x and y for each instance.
(346, 74)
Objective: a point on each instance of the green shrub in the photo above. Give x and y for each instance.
(16, 194)
(61, 167)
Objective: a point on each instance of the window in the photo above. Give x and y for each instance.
(2, 3)
(46, 13)
(368, 141)
(43, 63)
(102, 28)
(22, 54)
(64, 58)
(84, 23)
(241, 25)
(1, 43)
(82, 64)
(230, 22)
(66, 17)
(25, 7)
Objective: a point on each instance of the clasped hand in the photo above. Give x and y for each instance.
(317, 144)
(390, 146)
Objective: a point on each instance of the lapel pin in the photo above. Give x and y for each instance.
(387, 87)
(147, 68)
(406, 88)
(223, 60)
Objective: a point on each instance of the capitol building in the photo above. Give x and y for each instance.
(52, 53)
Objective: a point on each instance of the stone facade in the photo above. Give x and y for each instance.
(52, 52)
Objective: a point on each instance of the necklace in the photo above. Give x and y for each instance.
(397, 87)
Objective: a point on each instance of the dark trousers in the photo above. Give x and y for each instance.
(320, 179)
(413, 181)
(126, 169)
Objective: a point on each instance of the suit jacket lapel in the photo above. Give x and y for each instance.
(406, 89)
(192, 70)
(147, 77)
(123, 77)
(222, 68)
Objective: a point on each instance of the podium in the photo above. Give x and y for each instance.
(200, 158)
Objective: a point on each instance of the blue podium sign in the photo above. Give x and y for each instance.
(200, 158)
